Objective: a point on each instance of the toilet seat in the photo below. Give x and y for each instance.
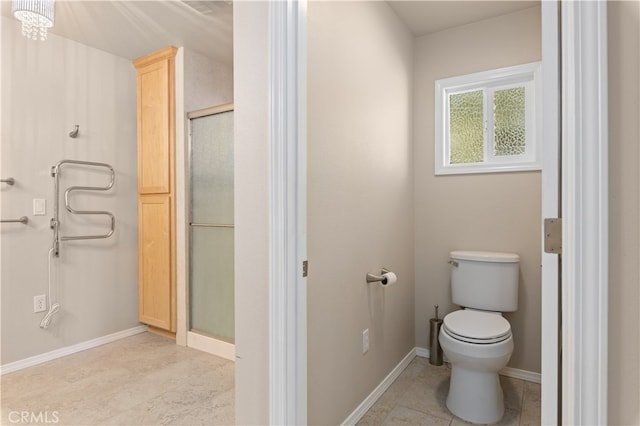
(476, 327)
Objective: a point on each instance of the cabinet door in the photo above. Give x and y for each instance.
(155, 268)
(155, 109)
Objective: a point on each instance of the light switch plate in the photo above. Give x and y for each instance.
(39, 206)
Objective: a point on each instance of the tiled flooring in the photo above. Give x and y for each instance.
(418, 395)
(149, 380)
(141, 380)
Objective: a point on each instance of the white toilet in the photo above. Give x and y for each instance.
(477, 340)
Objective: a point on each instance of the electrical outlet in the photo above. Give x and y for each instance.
(40, 303)
(365, 341)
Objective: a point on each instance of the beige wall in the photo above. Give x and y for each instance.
(360, 209)
(47, 87)
(499, 211)
(624, 212)
(207, 82)
(251, 169)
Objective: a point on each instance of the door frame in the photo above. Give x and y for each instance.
(585, 213)
(288, 212)
(585, 231)
(551, 208)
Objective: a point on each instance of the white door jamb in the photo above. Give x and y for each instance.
(288, 186)
(585, 212)
(550, 209)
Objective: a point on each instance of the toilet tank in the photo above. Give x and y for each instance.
(485, 280)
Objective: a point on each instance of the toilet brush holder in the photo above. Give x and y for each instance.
(435, 350)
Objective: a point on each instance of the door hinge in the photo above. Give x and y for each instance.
(553, 235)
(305, 268)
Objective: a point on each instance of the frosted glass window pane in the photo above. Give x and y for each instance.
(509, 121)
(212, 169)
(212, 288)
(466, 127)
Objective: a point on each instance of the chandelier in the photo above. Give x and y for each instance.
(36, 17)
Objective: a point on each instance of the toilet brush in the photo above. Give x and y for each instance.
(435, 351)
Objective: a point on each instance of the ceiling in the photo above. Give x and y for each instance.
(134, 28)
(425, 17)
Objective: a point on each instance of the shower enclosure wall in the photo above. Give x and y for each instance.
(211, 231)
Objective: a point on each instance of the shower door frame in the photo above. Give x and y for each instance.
(195, 340)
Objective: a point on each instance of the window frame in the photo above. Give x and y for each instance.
(527, 75)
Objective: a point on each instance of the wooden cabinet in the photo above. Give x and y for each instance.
(155, 251)
(156, 189)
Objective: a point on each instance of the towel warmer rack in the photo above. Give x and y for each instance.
(23, 220)
(55, 221)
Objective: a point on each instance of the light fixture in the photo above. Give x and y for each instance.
(36, 16)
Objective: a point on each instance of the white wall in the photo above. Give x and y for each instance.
(47, 87)
(251, 168)
(499, 211)
(360, 201)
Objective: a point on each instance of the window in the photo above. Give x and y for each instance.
(488, 121)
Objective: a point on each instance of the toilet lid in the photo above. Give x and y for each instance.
(477, 327)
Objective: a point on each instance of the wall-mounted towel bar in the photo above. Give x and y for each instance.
(23, 220)
(55, 221)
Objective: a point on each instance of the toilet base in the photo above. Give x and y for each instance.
(475, 396)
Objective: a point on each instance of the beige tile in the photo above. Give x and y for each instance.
(415, 368)
(375, 416)
(406, 416)
(531, 406)
(457, 421)
(422, 388)
(394, 393)
(513, 390)
(143, 379)
(428, 395)
(218, 411)
(176, 405)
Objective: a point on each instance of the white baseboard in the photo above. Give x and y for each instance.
(359, 412)
(68, 350)
(516, 373)
(422, 352)
(210, 345)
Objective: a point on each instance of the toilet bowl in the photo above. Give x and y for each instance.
(477, 340)
(475, 394)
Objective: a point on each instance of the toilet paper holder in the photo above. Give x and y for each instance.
(378, 278)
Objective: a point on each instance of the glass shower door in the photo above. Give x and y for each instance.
(211, 271)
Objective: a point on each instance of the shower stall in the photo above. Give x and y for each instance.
(211, 231)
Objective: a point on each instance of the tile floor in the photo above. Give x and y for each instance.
(417, 397)
(148, 380)
(141, 380)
